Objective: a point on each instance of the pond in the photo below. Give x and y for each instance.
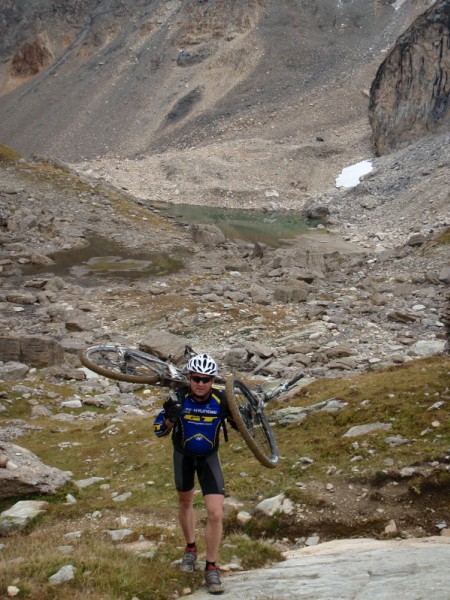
(269, 228)
(104, 257)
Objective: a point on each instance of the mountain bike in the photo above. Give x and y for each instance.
(247, 409)
(246, 404)
(135, 366)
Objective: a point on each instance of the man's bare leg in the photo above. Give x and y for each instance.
(186, 515)
(214, 525)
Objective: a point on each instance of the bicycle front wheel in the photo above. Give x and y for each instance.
(124, 364)
(252, 423)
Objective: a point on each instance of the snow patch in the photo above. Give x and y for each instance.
(350, 176)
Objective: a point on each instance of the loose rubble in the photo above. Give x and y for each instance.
(373, 292)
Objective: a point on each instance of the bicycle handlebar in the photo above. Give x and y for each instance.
(267, 396)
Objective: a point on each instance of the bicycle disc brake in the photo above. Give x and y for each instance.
(247, 416)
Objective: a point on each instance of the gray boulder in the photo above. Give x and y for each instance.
(40, 350)
(22, 473)
(296, 414)
(207, 235)
(20, 515)
(12, 370)
(236, 357)
(444, 275)
(163, 344)
(292, 291)
(425, 348)
(259, 294)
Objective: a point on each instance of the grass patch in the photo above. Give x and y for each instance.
(128, 458)
(8, 155)
(102, 568)
(443, 239)
(251, 554)
(401, 397)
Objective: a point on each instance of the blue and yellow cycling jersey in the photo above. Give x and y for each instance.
(197, 431)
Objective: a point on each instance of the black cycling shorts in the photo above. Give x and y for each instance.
(208, 469)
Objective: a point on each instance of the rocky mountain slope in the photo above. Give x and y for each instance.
(311, 302)
(206, 97)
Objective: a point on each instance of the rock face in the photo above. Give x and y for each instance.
(356, 568)
(409, 96)
(31, 59)
(22, 473)
(35, 350)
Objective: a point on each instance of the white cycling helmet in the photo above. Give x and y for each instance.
(202, 363)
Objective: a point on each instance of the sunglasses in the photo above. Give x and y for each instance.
(198, 379)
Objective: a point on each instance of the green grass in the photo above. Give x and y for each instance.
(131, 459)
(8, 155)
(443, 239)
(398, 396)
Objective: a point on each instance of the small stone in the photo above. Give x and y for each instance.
(66, 573)
(391, 527)
(84, 483)
(312, 540)
(117, 535)
(73, 535)
(122, 497)
(243, 517)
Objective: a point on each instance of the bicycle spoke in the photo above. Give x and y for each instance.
(252, 423)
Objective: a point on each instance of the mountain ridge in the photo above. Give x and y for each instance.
(143, 79)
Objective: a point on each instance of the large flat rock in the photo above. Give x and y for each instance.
(360, 569)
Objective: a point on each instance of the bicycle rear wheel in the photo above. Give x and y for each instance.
(252, 423)
(124, 364)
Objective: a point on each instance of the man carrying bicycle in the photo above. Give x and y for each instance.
(194, 415)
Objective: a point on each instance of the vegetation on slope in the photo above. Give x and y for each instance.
(414, 399)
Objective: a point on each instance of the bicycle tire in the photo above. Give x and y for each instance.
(123, 364)
(252, 424)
